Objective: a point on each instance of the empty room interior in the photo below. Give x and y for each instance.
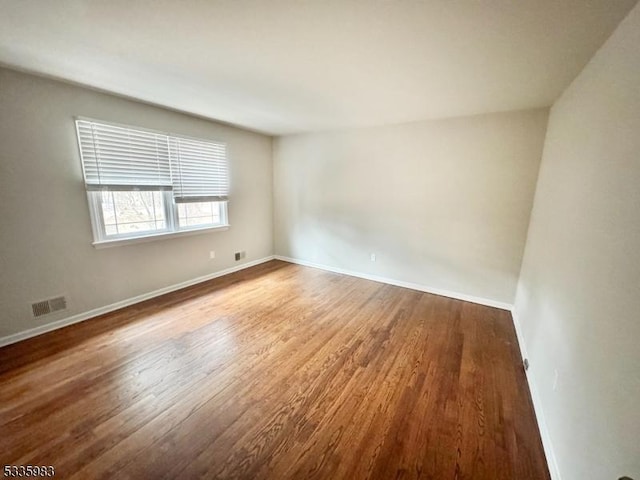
(328, 239)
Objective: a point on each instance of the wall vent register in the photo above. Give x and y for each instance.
(48, 306)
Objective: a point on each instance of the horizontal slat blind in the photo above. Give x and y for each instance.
(199, 170)
(116, 157)
(119, 157)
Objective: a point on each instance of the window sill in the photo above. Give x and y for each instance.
(158, 236)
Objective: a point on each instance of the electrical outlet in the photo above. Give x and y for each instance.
(555, 380)
(212, 254)
(373, 257)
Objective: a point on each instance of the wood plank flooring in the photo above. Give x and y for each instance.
(281, 372)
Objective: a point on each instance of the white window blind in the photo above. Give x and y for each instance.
(122, 158)
(116, 157)
(199, 170)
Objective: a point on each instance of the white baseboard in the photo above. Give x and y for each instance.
(33, 332)
(537, 405)
(399, 283)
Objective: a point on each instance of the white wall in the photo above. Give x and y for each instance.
(45, 231)
(444, 204)
(578, 300)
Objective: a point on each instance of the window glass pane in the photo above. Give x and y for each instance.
(108, 210)
(199, 214)
(132, 212)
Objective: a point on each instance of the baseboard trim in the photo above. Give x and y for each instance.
(398, 283)
(80, 317)
(554, 471)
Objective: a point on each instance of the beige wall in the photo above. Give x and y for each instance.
(444, 204)
(45, 231)
(578, 299)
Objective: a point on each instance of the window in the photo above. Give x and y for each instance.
(142, 183)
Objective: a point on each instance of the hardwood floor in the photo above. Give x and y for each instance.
(278, 371)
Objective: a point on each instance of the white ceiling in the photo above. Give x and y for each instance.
(284, 66)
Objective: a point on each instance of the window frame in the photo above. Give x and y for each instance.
(173, 227)
(170, 206)
(224, 220)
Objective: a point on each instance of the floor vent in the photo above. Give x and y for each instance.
(47, 306)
